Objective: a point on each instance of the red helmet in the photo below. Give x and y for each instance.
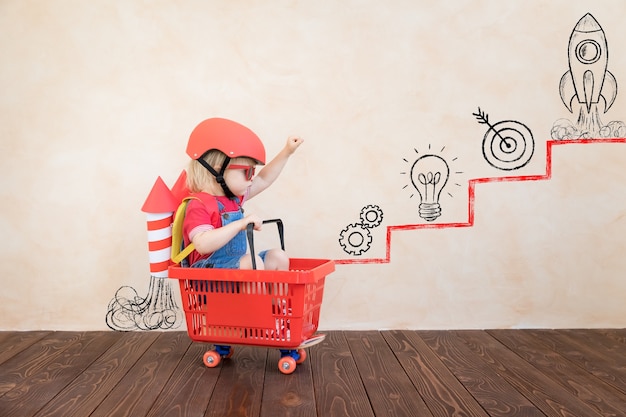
(230, 137)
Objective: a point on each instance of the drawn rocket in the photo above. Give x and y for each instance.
(159, 208)
(588, 78)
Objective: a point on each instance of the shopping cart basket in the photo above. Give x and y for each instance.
(277, 309)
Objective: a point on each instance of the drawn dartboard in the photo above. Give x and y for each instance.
(508, 145)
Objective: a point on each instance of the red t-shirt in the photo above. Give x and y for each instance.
(204, 215)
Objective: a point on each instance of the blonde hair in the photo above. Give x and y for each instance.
(201, 179)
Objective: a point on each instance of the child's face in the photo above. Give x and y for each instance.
(239, 177)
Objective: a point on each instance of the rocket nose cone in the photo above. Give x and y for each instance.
(587, 24)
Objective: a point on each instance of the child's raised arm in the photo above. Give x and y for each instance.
(272, 170)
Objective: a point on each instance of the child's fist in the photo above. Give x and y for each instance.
(293, 143)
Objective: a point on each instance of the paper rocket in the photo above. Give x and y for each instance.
(159, 208)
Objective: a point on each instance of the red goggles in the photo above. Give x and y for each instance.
(247, 170)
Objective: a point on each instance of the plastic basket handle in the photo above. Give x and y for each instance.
(250, 233)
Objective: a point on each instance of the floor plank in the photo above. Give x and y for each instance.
(598, 340)
(437, 385)
(240, 387)
(339, 388)
(602, 397)
(604, 365)
(142, 384)
(35, 358)
(31, 393)
(615, 334)
(189, 389)
(389, 389)
(552, 399)
(496, 396)
(91, 387)
(288, 395)
(14, 342)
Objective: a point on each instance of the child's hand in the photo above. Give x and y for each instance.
(252, 218)
(293, 143)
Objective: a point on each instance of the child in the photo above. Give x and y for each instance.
(224, 157)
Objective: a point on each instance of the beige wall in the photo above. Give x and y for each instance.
(97, 99)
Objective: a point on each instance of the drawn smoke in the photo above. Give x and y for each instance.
(564, 129)
(129, 311)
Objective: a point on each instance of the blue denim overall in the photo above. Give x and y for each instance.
(229, 255)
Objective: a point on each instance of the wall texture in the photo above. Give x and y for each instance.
(98, 98)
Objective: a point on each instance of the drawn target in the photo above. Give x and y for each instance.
(507, 145)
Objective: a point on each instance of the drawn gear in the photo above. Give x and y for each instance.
(371, 216)
(231, 138)
(355, 239)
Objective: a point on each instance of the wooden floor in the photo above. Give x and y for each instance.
(576, 373)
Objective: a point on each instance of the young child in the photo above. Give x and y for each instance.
(224, 157)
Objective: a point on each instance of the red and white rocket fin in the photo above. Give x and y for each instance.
(179, 190)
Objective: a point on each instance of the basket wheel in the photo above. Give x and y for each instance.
(302, 354)
(211, 358)
(287, 365)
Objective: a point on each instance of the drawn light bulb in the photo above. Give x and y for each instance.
(429, 175)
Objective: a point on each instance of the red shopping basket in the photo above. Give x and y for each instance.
(253, 307)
